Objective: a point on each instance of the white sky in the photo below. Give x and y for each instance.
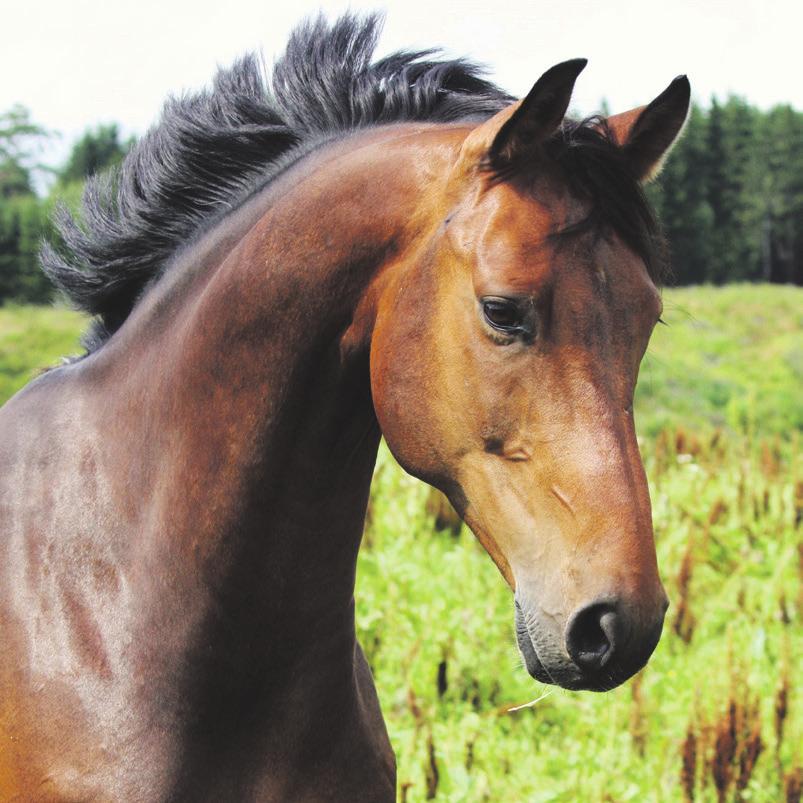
(76, 63)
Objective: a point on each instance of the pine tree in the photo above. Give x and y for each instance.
(682, 200)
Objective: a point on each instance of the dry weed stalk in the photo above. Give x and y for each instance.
(432, 776)
(686, 443)
(415, 709)
(688, 770)
(728, 748)
(441, 510)
(719, 509)
(470, 753)
(783, 610)
(770, 459)
(724, 751)
(800, 577)
(442, 679)
(741, 489)
(758, 508)
(661, 452)
(705, 748)
(793, 785)
(684, 621)
(749, 752)
(781, 707)
(680, 441)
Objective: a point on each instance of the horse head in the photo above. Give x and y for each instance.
(504, 361)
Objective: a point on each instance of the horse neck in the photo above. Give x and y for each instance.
(262, 402)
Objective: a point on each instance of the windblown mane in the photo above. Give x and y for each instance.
(213, 148)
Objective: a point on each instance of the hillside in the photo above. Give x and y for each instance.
(729, 357)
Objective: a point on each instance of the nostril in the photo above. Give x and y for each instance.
(591, 636)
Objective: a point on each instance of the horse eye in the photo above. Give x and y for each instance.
(503, 314)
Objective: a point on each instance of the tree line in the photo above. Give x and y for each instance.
(25, 214)
(730, 196)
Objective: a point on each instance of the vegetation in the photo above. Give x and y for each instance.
(715, 711)
(26, 218)
(98, 149)
(731, 195)
(20, 141)
(728, 357)
(33, 338)
(715, 716)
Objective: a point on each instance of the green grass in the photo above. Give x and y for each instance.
(34, 338)
(729, 357)
(719, 413)
(426, 599)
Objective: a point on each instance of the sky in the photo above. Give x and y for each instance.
(79, 63)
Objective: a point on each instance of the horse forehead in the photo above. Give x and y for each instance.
(508, 236)
(526, 242)
(527, 216)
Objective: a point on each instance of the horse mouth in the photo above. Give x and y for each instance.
(548, 665)
(527, 650)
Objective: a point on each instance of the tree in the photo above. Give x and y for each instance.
(731, 195)
(744, 168)
(14, 179)
(781, 191)
(97, 150)
(23, 220)
(681, 198)
(20, 143)
(22, 215)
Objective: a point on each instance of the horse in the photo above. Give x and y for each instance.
(282, 271)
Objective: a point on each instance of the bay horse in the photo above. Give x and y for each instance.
(280, 273)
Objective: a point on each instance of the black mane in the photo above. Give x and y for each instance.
(211, 149)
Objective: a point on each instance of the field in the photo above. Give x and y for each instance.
(716, 715)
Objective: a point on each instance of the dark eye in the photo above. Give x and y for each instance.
(505, 315)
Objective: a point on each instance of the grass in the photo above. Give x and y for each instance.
(716, 714)
(33, 338)
(729, 357)
(436, 622)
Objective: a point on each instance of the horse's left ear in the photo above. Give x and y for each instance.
(647, 134)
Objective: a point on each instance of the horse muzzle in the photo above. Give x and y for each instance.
(596, 648)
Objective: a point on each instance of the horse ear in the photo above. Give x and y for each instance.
(538, 115)
(647, 134)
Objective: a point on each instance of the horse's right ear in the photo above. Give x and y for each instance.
(515, 133)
